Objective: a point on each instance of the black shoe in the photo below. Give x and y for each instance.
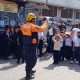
(40, 55)
(18, 62)
(33, 71)
(26, 78)
(62, 59)
(22, 62)
(55, 63)
(29, 77)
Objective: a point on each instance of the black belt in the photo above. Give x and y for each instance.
(26, 36)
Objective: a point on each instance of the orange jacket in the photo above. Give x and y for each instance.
(29, 28)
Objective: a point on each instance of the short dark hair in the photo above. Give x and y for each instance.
(16, 27)
(7, 27)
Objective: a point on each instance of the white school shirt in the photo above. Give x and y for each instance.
(40, 35)
(75, 30)
(62, 43)
(76, 42)
(51, 31)
(68, 42)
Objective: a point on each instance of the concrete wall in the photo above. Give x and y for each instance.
(64, 3)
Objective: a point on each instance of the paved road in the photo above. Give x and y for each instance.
(9, 70)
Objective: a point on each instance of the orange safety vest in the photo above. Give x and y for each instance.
(30, 33)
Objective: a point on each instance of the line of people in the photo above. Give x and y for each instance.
(65, 45)
(11, 43)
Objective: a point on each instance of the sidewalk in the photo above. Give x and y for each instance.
(9, 70)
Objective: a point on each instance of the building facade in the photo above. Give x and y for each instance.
(13, 12)
(62, 9)
(8, 13)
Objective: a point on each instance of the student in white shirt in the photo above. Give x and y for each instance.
(69, 46)
(78, 35)
(51, 31)
(57, 47)
(74, 33)
(76, 48)
(49, 40)
(40, 44)
(63, 47)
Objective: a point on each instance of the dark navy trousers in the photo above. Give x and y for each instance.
(29, 52)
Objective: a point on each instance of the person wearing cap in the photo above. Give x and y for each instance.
(76, 48)
(30, 40)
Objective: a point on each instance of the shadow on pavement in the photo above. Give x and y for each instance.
(45, 57)
(74, 67)
(23, 78)
(4, 61)
(12, 64)
(50, 67)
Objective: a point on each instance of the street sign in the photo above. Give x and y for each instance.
(8, 7)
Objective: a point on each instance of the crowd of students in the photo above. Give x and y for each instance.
(64, 45)
(11, 41)
(11, 44)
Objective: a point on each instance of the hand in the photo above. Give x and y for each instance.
(46, 22)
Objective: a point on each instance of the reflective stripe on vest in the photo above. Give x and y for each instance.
(29, 36)
(26, 30)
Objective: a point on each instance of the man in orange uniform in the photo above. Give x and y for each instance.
(30, 40)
